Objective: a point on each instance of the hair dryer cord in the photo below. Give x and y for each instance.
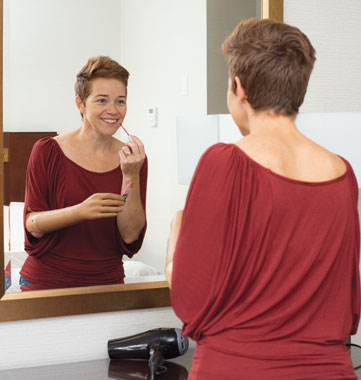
(155, 363)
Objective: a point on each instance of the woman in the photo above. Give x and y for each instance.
(78, 223)
(265, 268)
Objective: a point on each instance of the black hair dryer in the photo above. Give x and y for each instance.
(154, 345)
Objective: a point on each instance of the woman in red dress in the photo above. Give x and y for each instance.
(263, 261)
(78, 224)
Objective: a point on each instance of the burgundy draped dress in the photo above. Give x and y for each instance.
(85, 254)
(266, 271)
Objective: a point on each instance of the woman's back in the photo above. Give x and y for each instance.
(289, 153)
(265, 267)
(275, 268)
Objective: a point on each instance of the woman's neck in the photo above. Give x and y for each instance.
(270, 123)
(92, 140)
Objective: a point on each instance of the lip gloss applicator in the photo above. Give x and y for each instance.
(129, 136)
(127, 189)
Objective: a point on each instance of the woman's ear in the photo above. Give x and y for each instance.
(240, 92)
(79, 103)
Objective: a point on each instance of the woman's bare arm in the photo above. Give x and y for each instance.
(100, 205)
(172, 242)
(132, 220)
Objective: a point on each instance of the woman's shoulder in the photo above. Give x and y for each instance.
(220, 157)
(300, 159)
(44, 155)
(44, 146)
(64, 139)
(325, 165)
(225, 154)
(223, 149)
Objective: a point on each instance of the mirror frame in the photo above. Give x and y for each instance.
(85, 300)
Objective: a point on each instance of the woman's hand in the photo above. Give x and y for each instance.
(97, 206)
(100, 205)
(172, 242)
(132, 156)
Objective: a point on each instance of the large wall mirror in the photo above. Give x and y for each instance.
(165, 45)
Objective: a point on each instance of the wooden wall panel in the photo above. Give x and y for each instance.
(18, 146)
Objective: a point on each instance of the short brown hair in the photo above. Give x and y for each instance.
(98, 67)
(274, 62)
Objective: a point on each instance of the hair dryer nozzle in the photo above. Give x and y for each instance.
(168, 341)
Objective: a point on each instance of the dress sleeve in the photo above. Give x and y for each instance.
(37, 189)
(131, 249)
(40, 174)
(356, 270)
(205, 248)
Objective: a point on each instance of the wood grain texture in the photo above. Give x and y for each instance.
(19, 146)
(94, 299)
(2, 273)
(275, 9)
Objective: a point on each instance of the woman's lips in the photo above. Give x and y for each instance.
(110, 121)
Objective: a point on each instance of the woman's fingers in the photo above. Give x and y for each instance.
(126, 150)
(111, 210)
(140, 145)
(112, 203)
(109, 198)
(134, 146)
(101, 205)
(132, 156)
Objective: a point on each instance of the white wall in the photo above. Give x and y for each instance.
(69, 332)
(46, 43)
(158, 61)
(77, 338)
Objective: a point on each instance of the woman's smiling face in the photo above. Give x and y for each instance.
(106, 106)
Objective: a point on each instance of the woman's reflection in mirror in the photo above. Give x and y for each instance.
(78, 224)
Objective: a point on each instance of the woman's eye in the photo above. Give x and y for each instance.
(121, 101)
(101, 100)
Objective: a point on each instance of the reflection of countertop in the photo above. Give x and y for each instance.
(102, 370)
(123, 370)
